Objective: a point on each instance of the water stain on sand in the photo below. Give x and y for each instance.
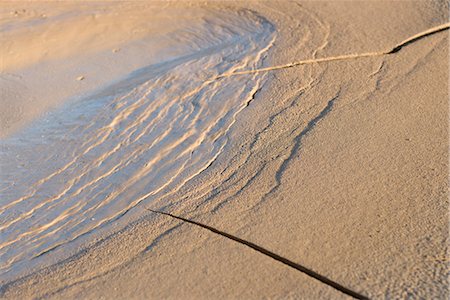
(89, 163)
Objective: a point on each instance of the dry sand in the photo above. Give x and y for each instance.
(311, 137)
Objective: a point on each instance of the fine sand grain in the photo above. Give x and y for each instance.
(224, 150)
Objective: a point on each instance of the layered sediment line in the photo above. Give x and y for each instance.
(96, 160)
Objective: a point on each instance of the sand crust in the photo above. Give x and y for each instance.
(337, 161)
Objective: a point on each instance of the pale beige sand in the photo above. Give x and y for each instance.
(47, 47)
(339, 166)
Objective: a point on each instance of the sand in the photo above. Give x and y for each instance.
(300, 149)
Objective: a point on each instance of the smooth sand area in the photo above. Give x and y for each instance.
(231, 150)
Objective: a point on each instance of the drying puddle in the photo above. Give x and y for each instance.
(83, 167)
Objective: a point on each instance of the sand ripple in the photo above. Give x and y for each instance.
(143, 138)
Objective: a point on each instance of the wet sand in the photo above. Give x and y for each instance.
(231, 150)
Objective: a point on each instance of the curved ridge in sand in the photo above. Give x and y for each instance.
(395, 49)
(141, 145)
(340, 167)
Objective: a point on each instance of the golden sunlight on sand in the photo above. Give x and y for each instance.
(224, 150)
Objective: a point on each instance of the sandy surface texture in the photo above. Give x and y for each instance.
(227, 150)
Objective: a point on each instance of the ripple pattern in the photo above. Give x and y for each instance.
(86, 165)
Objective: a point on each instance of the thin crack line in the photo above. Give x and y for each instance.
(272, 255)
(393, 50)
